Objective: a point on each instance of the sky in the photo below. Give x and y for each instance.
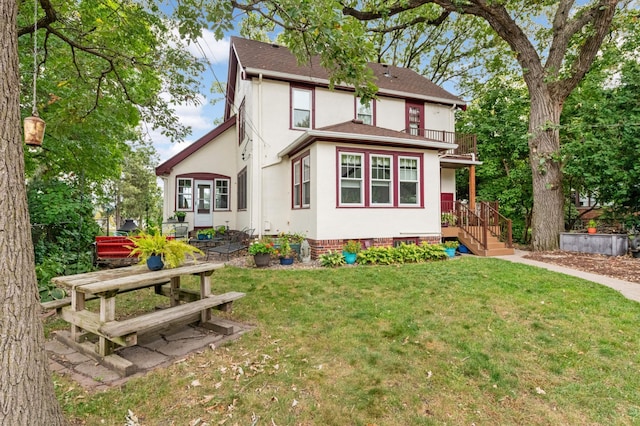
(199, 117)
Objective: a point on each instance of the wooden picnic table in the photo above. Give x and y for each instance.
(106, 284)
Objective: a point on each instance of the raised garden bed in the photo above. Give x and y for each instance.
(607, 244)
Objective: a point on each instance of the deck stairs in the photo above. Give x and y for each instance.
(484, 232)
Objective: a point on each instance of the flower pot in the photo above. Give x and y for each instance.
(154, 263)
(451, 252)
(295, 247)
(635, 253)
(181, 219)
(262, 259)
(463, 249)
(286, 260)
(592, 230)
(349, 258)
(201, 236)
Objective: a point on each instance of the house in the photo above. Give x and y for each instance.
(294, 156)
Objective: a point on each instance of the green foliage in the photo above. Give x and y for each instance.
(592, 224)
(173, 252)
(404, 253)
(352, 246)
(180, 214)
(62, 231)
(331, 259)
(292, 237)
(262, 246)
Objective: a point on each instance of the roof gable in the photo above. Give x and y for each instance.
(256, 57)
(166, 167)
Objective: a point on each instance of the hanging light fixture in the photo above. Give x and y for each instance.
(34, 125)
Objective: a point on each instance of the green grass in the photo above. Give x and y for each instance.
(474, 340)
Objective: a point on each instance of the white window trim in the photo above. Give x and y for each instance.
(293, 107)
(417, 181)
(371, 179)
(187, 209)
(297, 185)
(215, 195)
(358, 111)
(362, 180)
(307, 159)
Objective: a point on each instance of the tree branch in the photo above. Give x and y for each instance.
(49, 18)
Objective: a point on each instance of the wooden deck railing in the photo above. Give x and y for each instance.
(466, 142)
(482, 222)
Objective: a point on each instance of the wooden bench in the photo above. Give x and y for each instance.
(187, 313)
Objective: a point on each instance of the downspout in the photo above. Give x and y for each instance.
(258, 148)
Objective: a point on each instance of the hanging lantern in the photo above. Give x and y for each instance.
(34, 130)
(34, 125)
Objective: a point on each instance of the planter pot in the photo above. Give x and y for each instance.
(154, 263)
(635, 253)
(201, 237)
(350, 258)
(607, 244)
(451, 252)
(592, 230)
(286, 260)
(181, 219)
(295, 247)
(261, 260)
(463, 249)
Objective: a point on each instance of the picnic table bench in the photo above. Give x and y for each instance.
(186, 306)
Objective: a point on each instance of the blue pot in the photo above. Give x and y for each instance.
(286, 260)
(201, 237)
(154, 263)
(463, 249)
(451, 252)
(349, 258)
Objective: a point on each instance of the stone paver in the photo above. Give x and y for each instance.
(152, 351)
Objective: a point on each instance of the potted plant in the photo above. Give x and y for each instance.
(285, 253)
(592, 226)
(450, 247)
(206, 234)
(294, 239)
(180, 216)
(261, 250)
(350, 251)
(158, 251)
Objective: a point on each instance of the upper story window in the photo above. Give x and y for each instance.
(351, 179)
(241, 122)
(301, 108)
(415, 119)
(184, 194)
(364, 111)
(301, 182)
(222, 194)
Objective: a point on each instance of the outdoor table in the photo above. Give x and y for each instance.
(106, 284)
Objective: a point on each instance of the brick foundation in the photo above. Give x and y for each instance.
(319, 247)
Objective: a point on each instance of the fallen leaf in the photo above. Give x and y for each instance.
(540, 391)
(195, 383)
(294, 403)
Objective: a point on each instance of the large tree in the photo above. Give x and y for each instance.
(554, 44)
(27, 392)
(102, 67)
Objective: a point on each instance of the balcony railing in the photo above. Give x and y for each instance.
(466, 142)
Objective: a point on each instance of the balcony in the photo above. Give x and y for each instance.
(466, 142)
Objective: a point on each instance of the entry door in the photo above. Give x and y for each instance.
(203, 211)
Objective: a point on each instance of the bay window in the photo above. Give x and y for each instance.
(351, 179)
(301, 182)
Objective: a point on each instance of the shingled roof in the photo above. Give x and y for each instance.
(274, 61)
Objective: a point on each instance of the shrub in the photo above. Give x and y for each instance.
(331, 259)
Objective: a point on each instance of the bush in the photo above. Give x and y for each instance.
(331, 259)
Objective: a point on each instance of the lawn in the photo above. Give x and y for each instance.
(470, 341)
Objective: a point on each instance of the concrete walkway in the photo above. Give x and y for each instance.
(627, 289)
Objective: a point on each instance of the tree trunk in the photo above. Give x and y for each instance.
(26, 390)
(544, 153)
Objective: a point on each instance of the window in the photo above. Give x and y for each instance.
(415, 120)
(408, 180)
(301, 108)
(351, 178)
(391, 179)
(222, 194)
(241, 123)
(381, 180)
(242, 189)
(302, 182)
(185, 194)
(364, 112)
